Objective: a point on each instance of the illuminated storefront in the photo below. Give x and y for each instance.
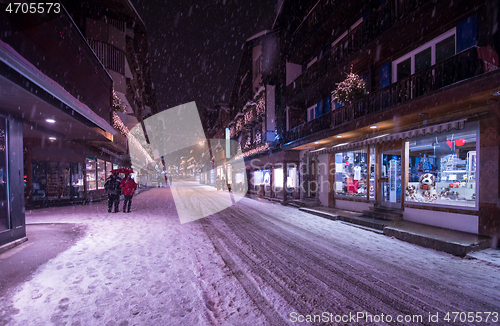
(430, 175)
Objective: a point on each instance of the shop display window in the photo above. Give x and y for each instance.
(291, 180)
(278, 178)
(262, 180)
(257, 179)
(109, 167)
(371, 188)
(38, 180)
(53, 187)
(64, 185)
(90, 176)
(239, 179)
(101, 174)
(56, 180)
(4, 194)
(351, 171)
(77, 187)
(442, 169)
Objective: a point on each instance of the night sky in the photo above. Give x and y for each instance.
(195, 46)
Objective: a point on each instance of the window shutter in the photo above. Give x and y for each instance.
(467, 33)
(385, 75)
(327, 104)
(318, 109)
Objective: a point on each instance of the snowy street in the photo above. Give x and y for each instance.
(254, 263)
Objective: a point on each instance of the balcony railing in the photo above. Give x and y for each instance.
(377, 23)
(452, 70)
(321, 123)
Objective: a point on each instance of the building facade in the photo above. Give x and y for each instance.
(118, 36)
(59, 133)
(270, 171)
(49, 102)
(420, 142)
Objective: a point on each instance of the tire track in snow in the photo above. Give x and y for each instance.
(458, 300)
(317, 275)
(383, 291)
(255, 245)
(260, 301)
(270, 279)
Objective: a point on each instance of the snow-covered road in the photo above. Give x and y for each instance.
(254, 263)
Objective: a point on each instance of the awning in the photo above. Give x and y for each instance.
(18, 63)
(427, 130)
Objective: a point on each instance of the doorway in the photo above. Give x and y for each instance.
(390, 179)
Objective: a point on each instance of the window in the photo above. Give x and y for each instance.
(53, 186)
(4, 194)
(291, 180)
(77, 188)
(278, 178)
(90, 176)
(109, 167)
(445, 49)
(101, 174)
(311, 112)
(351, 170)
(257, 67)
(442, 169)
(64, 190)
(423, 60)
(372, 174)
(423, 57)
(38, 180)
(404, 69)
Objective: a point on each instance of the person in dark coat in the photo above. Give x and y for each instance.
(128, 187)
(112, 187)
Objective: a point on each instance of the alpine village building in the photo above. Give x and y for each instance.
(73, 83)
(418, 139)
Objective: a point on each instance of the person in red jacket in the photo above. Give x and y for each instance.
(128, 186)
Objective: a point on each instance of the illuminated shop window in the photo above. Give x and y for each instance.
(351, 172)
(442, 169)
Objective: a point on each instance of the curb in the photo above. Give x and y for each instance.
(384, 227)
(12, 244)
(453, 248)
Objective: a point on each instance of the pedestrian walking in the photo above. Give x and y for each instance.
(112, 187)
(128, 187)
(170, 180)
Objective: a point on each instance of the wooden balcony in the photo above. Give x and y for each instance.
(372, 27)
(311, 127)
(455, 69)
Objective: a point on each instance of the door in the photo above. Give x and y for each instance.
(390, 179)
